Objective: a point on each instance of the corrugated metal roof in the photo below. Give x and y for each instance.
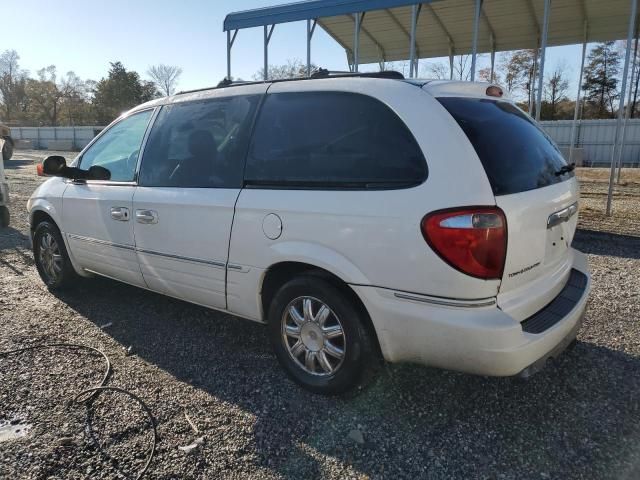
(446, 25)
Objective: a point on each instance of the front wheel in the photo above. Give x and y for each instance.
(52, 260)
(319, 336)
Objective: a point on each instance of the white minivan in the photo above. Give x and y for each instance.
(361, 217)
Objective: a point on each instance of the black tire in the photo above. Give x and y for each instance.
(65, 276)
(5, 217)
(360, 357)
(7, 150)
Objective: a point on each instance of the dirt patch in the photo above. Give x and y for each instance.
(594, 188)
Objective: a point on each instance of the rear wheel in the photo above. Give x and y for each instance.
(52, 260)
(319, 336)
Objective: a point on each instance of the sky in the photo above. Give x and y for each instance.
(85, 36)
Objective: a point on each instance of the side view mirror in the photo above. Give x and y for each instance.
(53, 165)
(56, 166)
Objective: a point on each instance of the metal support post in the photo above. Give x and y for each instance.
(415, 12)
(532, 88)
(623, 87)
(356, 42)
(230, 40)
(577, 108)
(476, 26)
(627, 111)
(543, 51)
(311, 27)
(450, 63)
(267, 37)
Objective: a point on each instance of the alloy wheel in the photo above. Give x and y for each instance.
(313, 336)
(50, 257)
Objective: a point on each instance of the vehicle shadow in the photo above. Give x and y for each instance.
(417, 422)
(608, 244)
(15, 164)
(11, 238)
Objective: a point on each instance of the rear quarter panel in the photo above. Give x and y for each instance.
(370, 237)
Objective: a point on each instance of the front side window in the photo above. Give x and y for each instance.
(117, 149)
(199, 144)
(332, 140)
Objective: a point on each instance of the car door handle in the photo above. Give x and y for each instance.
(146, 216)
(120, 214)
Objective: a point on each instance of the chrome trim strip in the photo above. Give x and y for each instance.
(100, 242)
(180, 257)
(562, 215)
(448, 302)
(151, 252)
(101, 182)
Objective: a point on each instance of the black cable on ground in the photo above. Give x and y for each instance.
(147, 410)
(89, 394)
(107, 370)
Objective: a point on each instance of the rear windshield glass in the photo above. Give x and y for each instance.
(516, 154)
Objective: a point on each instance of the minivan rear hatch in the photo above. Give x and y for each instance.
(536, 190)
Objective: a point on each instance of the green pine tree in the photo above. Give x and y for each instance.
(601, 79)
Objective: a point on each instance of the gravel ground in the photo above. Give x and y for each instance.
(578, 418)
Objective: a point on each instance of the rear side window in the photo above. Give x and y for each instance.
(332, 140)
(516, 154)
(199, 144)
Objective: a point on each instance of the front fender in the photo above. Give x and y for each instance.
(42, 205)
(47, 198)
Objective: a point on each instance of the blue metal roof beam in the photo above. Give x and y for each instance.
(310, 9)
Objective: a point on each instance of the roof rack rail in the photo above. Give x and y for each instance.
(318, 74)
(323, 73)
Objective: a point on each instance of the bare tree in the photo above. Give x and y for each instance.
(485, 75)
(292, 69)
(461, 69)
(12, 84)
(165, 77)
(401, 66)
(518, 70)
(437, 70)
(555, 89)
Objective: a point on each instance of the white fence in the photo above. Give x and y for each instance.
(595, 137)
(46, 137)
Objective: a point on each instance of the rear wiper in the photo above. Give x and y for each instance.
(566, 169)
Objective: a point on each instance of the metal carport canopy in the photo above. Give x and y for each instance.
(445, 27)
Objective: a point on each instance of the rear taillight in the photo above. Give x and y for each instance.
(472, 240)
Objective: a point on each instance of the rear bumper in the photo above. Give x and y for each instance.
(554, 353)
(481, 339)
